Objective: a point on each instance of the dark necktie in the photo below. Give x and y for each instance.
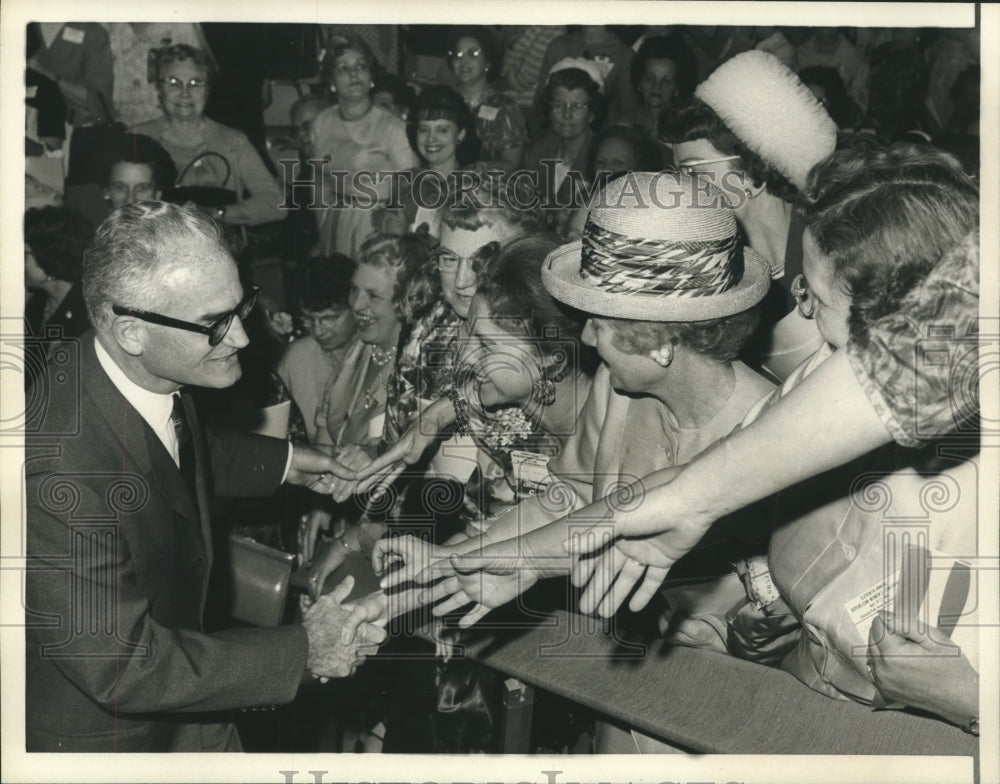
(185, 445)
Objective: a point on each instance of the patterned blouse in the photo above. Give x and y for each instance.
(500, 125)
(920, 367)
(423, 369)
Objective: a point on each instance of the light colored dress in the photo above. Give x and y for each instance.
(357, 151)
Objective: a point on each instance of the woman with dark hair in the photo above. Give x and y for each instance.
(442, 132)
(728, 133)
(359, 139)
(140, 170)
(311, 363)
(521, 375)
(475, 57)
(220, 169)
(55, 240)
(575, 108)
(662, 71)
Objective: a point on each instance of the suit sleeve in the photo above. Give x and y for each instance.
(245, 465)
(92, 617)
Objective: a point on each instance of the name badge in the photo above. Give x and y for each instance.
(531, 471)
(73, 35)
(487, 113)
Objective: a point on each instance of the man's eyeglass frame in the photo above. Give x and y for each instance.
(216, 331)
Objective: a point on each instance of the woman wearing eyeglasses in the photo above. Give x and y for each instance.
(220, 169)
(755, 131)
(474, 56)
(359, 139)
(575, 106)
(471, 232)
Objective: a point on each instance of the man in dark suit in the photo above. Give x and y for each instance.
(118, 477)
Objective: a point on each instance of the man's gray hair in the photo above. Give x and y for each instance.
(135, 247)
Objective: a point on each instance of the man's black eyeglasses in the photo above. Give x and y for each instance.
(216, 331)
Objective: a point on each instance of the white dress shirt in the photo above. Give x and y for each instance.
(154, 407)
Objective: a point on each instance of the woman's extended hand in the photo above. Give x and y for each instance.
(376, 475)
(418, 561)
(321, 568)
(922, 668)
(309, 527)
(485, 581)
(612, 573)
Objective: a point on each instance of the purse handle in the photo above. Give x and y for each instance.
(229, 170)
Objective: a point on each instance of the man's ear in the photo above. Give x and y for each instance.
(129, 333)
(663, 356)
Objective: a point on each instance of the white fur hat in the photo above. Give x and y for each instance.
(772, 112)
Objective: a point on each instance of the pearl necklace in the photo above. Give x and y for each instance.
(380, 357)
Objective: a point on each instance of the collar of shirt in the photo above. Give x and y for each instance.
(154, 407)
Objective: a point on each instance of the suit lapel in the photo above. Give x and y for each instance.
(140, 445)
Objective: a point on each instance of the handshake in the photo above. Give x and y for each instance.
(343, 634)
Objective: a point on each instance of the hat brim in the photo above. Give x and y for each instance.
(561, 278)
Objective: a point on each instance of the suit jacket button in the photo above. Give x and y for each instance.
(259, 468)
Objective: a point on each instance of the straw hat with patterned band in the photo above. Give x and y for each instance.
(658, 247)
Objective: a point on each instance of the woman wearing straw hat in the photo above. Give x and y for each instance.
(757, 130)
(671, 295)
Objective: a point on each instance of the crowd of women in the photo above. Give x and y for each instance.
(669, 269)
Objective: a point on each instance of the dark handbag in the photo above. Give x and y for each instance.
(204, 182)
(260, 576)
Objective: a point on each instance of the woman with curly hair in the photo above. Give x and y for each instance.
(890, 253)
(219, 168)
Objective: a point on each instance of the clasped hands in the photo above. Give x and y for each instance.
(342, 634)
